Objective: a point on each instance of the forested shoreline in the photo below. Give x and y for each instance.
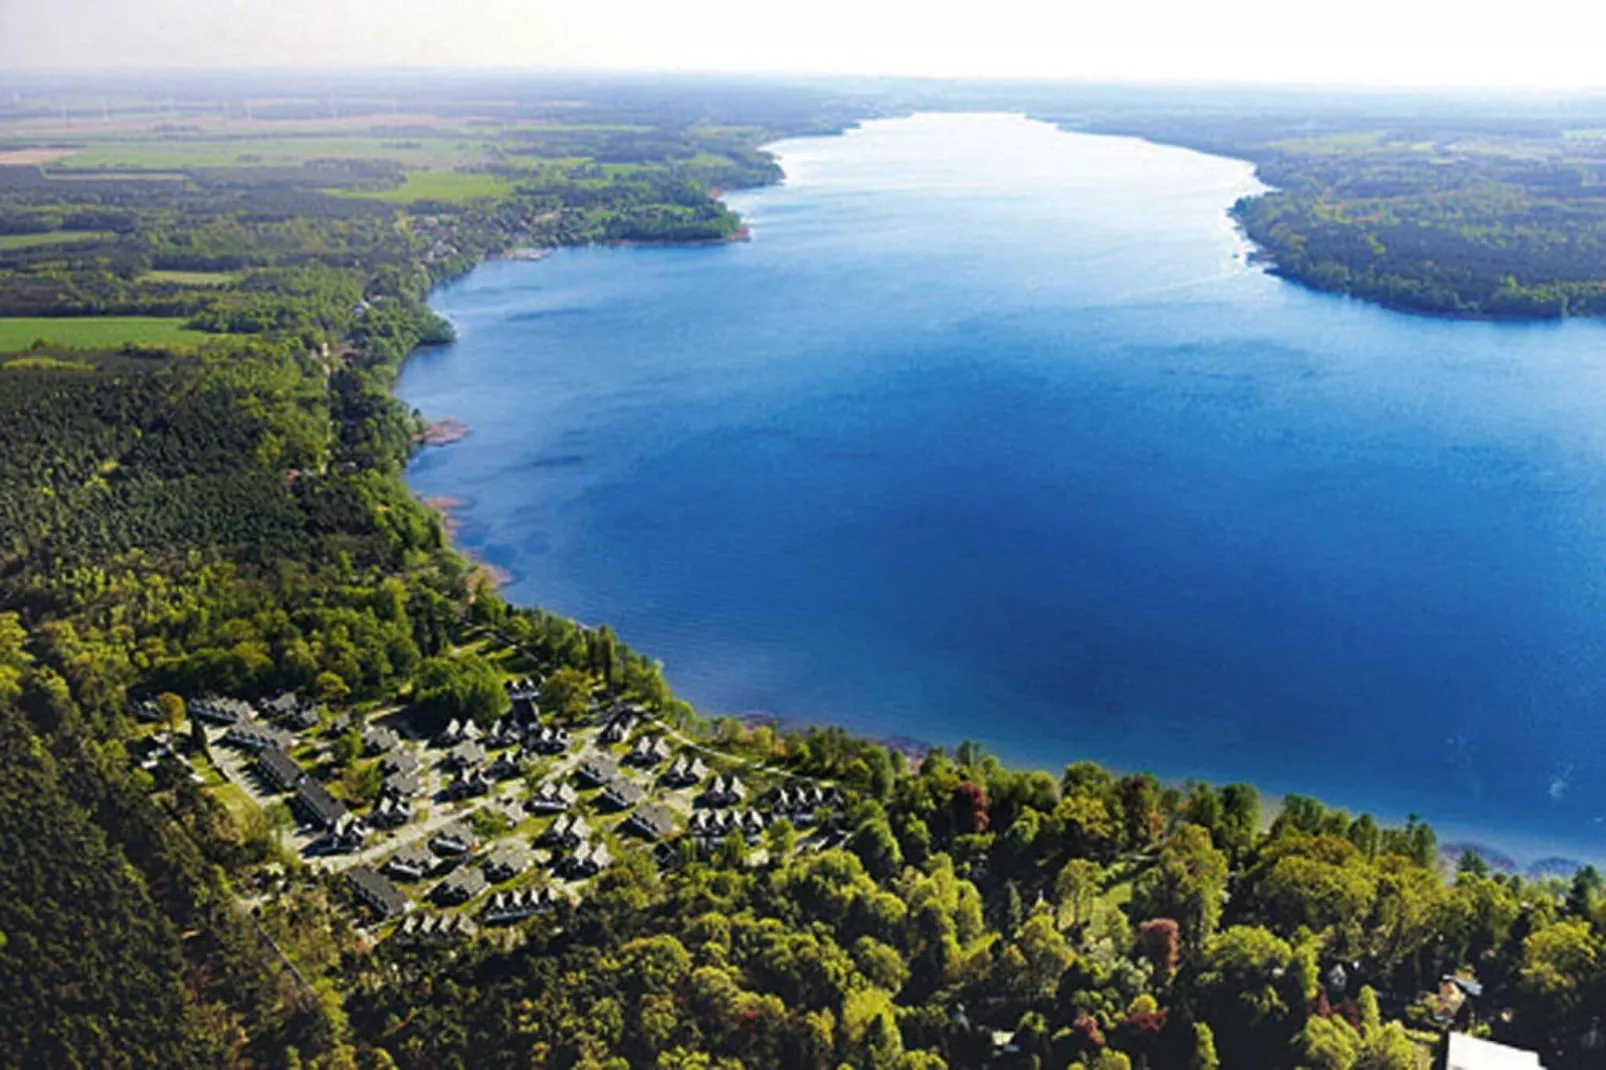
(228, 517)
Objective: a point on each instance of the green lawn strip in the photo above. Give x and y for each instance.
(95, 332)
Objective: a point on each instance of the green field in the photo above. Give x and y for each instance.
(192, 278)
(95, 332)
(457, 186)
(53, 237)
(270, 151)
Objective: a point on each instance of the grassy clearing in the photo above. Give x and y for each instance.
(245, 151)
(453, 186)
(95, 332)
(53, 237)
(192, 278)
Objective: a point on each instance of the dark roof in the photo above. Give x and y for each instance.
(379, 893)
(279, 766)
(654, 819)
(319, 804)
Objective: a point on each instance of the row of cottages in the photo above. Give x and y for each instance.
(411, 863)
(551, 798)
(725, 790)
(279, 770)
(685, 771)
(653, 822)
(377, 740)
(528, 688)
(648, 751)
(548, 739)
(374, 890)
(293, 711)
(470, 785)
(391, 811)
(468, 754)
(317, 807)
(458, 731)
(460, 886)
(347, 835)
(717, 824)
(221, 710)
(507, 766)
(569, 830)
(619, 724)
(454, 840)
(258, 737)
(588, 860)
(804, 800)
(435, 928)
(507, 862)
(504, 908)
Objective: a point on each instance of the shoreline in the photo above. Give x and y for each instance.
(445, 506)
(1523, 852)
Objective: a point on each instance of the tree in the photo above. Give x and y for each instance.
(462, 687)
(331, 687)
(1203, 1056)
(346, 748)
(172, 710)
(1186, 884)
(566, 693)
(1076, 888)
(1161, 943)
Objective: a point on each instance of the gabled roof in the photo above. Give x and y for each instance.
(322, 807)
(623, 792)
(653, 819)
(462, 885)
(377, 892)
(399, 761)
(279, 767)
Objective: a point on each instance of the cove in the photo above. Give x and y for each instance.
(994, 431)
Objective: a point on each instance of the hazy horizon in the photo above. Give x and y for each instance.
(1392, 44)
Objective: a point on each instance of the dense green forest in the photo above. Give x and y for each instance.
(229, 517)
(1442, 210)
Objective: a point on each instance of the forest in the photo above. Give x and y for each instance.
(1434, 207)
(229, 517)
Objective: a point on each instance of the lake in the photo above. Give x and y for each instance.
(994, 431)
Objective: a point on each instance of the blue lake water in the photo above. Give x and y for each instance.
(993, 432)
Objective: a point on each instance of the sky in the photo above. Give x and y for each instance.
(1542, 44)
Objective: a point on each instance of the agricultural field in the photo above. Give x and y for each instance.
(191, 278)
(452, 186)
(95, 332)
(9, 242)
(239, 151)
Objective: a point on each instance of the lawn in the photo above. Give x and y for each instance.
(192, 278)
(53, 237)
(95, 332)
(454, 186)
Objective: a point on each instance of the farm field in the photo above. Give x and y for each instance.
(95, 332)
(192, 278)
(52, 237)
(439, 186)
(242, 151)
